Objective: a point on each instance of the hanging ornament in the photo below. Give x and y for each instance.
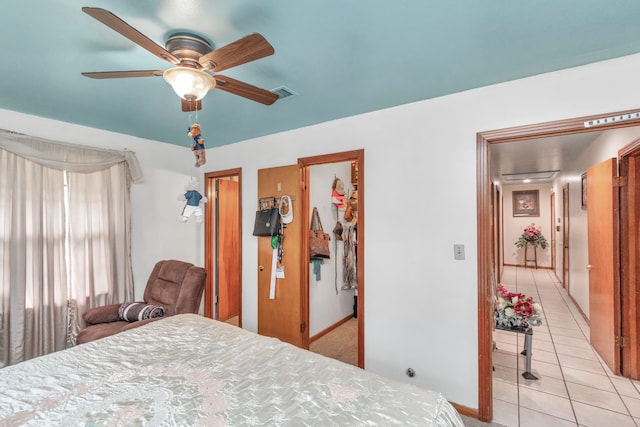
(197, 146)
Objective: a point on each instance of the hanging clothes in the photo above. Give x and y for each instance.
(350, 267)
(317, 262)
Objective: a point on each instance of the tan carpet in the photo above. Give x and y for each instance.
(341, 343)
(235, 321)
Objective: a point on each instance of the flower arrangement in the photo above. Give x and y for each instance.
(532, 235)
(513, 310)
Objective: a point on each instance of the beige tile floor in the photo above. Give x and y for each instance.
(574, 387)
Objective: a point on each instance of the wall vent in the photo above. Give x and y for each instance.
(283, 92)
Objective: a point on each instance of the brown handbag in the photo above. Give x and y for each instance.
(318, 239)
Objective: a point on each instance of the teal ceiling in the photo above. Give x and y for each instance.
(340, 57)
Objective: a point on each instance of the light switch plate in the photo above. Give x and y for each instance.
(458, 251)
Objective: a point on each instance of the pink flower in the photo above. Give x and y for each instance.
(502, 291)
(532, 230)
(524, 308)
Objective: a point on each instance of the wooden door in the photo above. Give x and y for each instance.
(565, 237)
(602, 224)
(228, 278)
(281, 317)
(630, 255)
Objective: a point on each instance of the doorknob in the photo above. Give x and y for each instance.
(261, 268)
(589, 266)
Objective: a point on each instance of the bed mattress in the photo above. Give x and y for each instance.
(187, 370)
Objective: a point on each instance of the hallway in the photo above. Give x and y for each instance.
(575, 388)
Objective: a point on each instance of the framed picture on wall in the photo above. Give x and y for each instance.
(583, 182)
(526, 203)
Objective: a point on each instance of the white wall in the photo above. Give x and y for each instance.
(606, 146)
(326, 306)
(420, 303)
(514, 226)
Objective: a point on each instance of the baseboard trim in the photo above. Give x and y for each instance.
(540, 267)
(466, 411)
(584, 316)
(330, 328)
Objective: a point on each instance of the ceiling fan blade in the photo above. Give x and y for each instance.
(188, 106)
(245, 90)
(117, 24)
(246, 49)
(123, 74)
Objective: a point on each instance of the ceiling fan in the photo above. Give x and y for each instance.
(193, 60)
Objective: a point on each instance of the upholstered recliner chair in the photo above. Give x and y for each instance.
(175, 286)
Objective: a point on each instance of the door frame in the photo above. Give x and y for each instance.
(554, 236)
(305, 163)
(565, 237)
(484, 140)
(629, 171)
(209, 231)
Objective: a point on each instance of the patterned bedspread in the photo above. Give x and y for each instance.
(187, 370)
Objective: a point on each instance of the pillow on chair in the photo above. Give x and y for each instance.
(134, 311)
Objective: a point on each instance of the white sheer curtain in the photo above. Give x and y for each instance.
(32, 271)
(60, 250)
(99, 237)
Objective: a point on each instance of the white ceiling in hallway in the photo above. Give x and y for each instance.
(528, 158)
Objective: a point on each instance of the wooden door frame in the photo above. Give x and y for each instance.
(483, 189)
(209, 229)
(500, 213)
(494, 247)
(554, 237)
(565, 237)
(629, 200)
(305, 163)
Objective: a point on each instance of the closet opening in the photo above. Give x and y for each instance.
(334, 295)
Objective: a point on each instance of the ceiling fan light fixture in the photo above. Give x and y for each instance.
(189, 83)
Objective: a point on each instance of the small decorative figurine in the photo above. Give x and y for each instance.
(198, 145)
(194, 199)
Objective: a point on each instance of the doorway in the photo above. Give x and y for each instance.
(485, 267)
(356, 159)
(565, 237)
(223, 246)
(333, 292)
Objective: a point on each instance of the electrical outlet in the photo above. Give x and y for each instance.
(458, 251)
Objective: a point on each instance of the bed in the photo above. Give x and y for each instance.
(188, 370)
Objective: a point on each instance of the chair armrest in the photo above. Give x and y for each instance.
(138, 323)
(103, 314)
